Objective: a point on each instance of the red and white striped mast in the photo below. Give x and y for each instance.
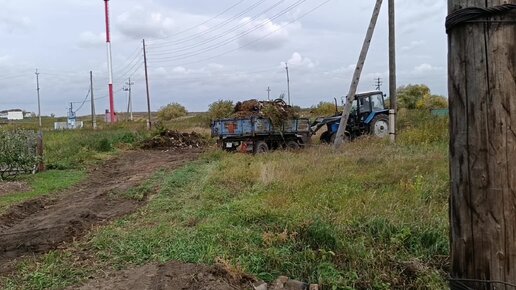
(110, 66)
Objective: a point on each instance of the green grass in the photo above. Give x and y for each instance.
(42, 184)
(80, 148)
(372, 216)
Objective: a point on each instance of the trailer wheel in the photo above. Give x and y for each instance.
(261, 147)
(380, 126)
(293, 145)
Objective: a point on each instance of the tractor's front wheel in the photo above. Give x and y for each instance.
(380, 126)
(326, 137)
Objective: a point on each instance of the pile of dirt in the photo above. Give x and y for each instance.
(175, 140)
(7, 188)
(173, 275)
(277, 110)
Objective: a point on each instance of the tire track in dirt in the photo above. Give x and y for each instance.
(43, 224)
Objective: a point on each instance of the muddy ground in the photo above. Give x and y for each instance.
(173, 275)
(40, 225)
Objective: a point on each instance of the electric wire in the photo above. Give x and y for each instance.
(133, 57)
(218, 36)
(230, 40)
(257, 40)
(83, 102)
(214, 28)
(207, 21)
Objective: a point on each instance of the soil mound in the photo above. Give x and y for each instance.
(173, 275)
(175, 140)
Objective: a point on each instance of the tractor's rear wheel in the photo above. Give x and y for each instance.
(380, 126)
(261, 147)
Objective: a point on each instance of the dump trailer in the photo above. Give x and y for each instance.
(260, 135)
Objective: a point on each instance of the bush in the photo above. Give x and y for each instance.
(324, 109)
(17, 152)
(221, 109)
(172, 111)
(418, 127)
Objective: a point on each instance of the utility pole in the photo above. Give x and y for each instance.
(356, 76)
(149, 120)
(110, 66)
(39, 102)
(39, 148)
(269, 93)
(378, 84)
(392, 71)
(288, 83)
(130, 100)
(482, 90)
(93, 114)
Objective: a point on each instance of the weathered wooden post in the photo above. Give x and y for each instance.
(482, 93)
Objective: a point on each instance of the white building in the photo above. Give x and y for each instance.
(12, 115)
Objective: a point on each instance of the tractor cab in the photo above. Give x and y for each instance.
(368, 116)
(366, 107)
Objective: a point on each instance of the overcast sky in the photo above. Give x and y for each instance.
(200, 51)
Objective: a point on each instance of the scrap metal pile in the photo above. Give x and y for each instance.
(277, 110)
(175, 140)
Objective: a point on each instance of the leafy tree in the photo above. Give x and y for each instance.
(324, 109)
(172, 111)
(221, 109)
(419, 97)
(409, 96)
(430, 102)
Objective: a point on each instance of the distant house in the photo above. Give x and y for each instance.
(12, 115)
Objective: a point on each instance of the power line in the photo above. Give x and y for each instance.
(214, 28)
(83, 102)
(221, 35)
(257, 40)
(133, 57)
(135, 67)
(230, 40)
(207, 21)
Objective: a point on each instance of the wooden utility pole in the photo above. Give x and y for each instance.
(482, 95)
(269, 93)
(40, 146)
(39, 102)
(288, 83)
(149, 120)
(93, 114)
(356, 76)
(392, 71)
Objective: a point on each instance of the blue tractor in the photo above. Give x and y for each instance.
(368, 117)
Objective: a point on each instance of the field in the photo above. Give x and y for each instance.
(370, 216)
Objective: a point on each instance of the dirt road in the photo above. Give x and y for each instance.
(43, 224)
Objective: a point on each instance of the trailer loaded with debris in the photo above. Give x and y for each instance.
(260, 126)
